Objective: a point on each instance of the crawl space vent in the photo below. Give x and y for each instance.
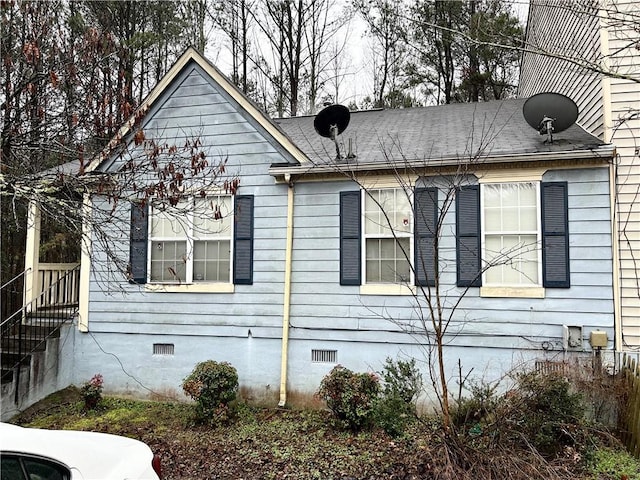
(324, 356)
(163, 349)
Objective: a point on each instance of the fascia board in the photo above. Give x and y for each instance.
(604, 153)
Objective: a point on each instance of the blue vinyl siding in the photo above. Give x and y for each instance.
(245, 327)
(195, 106)
(319, 300)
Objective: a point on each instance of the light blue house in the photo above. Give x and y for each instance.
(312, 259)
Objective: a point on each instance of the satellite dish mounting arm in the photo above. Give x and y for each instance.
(546, 127)
(334, 136)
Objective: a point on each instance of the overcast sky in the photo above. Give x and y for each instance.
(357, 81)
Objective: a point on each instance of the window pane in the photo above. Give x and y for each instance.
(213, 216)
(374, 219)
(402, 212)
(41, 469)
(513, 260)
(386, 262)
(387, 271)
(373, 271)
(11, 469)
(168, 261)
(170, 223)
(211, 261)
(527, 195)
(493, 220)
(492, 196)
(511, 234)
(510, 219)
(528, 219)
(509, 194)
(395, 204)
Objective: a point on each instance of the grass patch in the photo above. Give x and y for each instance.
(264, 443)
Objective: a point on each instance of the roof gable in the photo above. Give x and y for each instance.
(191, 94)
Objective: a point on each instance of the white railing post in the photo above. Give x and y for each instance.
(31, 260)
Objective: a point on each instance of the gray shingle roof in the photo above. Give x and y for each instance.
(470, 130)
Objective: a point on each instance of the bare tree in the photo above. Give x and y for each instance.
(299, 35)
(386, 25)
(234, 19)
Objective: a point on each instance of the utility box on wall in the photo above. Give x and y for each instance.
(598, 339)
(572, 337)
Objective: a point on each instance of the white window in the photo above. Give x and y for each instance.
(191, 242)
(511, 234)
(388, 228)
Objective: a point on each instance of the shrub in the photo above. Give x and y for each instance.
(609, 463)
(469, 411)
(395, 409)
(402, 380)
(350, 396)
(91, 391)
(213, 385)
(545, 409)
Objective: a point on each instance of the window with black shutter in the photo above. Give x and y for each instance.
(524, 239)
(191, 242)
(386, 232)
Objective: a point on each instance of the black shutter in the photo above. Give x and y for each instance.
(350, 233)
(555, 235)
(468, 236)
(243, 240)
(138, 243)
(425, 204)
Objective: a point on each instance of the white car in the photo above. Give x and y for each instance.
(37, 454)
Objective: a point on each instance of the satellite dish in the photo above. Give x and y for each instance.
(550, 113)
(331, 121)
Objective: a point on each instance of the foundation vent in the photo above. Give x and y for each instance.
(163, 349)
(324, 356)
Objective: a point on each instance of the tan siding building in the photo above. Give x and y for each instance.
(574, 36)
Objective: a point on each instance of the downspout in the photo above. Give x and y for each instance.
(607, 134)
(615, 244)
(287, 295)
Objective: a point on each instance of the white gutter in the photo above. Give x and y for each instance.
(287, 295)
(603, 152)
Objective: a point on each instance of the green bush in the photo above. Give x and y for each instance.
(545, 410)
(402, 380)
(213, 385)
(350, 396)
(472, 410)
(392, 414)
(396, 408)
(614, 464)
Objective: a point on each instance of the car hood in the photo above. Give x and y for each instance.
(95, 455)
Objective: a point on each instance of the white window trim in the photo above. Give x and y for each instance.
(513, 291)
(376, 288)
(191, 286)
(394, 289)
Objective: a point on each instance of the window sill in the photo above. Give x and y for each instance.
(386, 289)
(512, 292)
(191, 288)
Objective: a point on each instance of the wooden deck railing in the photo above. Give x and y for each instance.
(56, 286)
